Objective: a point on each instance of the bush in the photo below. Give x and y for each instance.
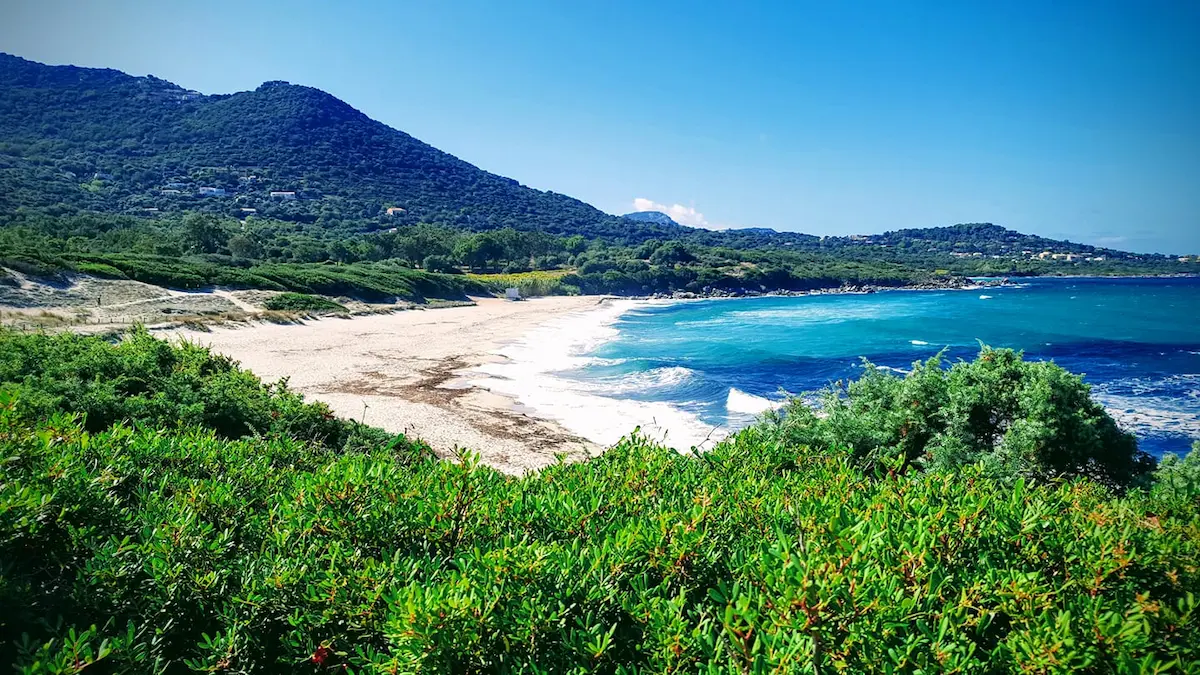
(1177, 481)
(1021, 418)
(144, 380)
(100, 270)
(152, 551)
(299, 302)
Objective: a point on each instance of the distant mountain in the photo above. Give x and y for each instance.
(657, 217)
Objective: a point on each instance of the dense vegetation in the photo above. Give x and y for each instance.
(299, 302)
(1014, 417)
(114, 175)
(166, 543)
(147, 382)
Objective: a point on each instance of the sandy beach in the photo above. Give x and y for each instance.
(401, 372)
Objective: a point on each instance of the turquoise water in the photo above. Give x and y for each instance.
(720, 362)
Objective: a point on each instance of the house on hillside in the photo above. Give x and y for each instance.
(169, 192)
(212, 192)
(395, 211)
(285, 195)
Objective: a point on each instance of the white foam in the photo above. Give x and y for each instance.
(918, 342)
(645, 380)
(532, 376)
(739, 401)
(985, 297)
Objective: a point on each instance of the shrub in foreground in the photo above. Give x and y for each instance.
(145, 380)
(1020, 418)
(155, 547)
(150, 551)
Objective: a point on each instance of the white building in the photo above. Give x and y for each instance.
(212, 192)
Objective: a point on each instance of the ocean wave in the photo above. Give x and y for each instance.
(919, 343)
(644, 380)
(531, 375)
(985, 297)
(1146, 415)
(739, 401)
(800, 314)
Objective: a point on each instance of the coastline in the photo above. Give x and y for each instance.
(416, 372)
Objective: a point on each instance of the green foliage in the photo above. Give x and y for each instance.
(144, 546)
(1017, 417)
(151, 552)
(531, 284)
(439, 263)
(299, 302)
(147, 381)
(1177, 481)
(100, 270)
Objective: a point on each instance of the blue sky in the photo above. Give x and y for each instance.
(1066, 119)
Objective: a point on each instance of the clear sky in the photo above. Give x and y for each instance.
(1077, 119)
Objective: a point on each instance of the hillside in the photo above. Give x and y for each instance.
(288, 188)
(106, 141)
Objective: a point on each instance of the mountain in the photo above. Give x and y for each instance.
(102, 140)
(98, 140)
(657, 217)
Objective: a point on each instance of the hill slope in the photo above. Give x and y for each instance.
(326, 184)
(103, 140)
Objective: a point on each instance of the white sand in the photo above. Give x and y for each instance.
(399, 372)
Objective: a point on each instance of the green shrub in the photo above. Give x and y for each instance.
(100, 270)
(1021, 418)
(173, 551)
(299, 302)
(156, 536)
(149, 381)
(1177, 481)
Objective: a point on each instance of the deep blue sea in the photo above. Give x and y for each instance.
(692, 370)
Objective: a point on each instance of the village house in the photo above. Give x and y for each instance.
(285, 195)
(212, 192)
(395, 211)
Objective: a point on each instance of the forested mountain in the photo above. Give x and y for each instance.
(285, 186)
(107, 141)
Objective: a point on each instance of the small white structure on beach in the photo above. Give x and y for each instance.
(512, 293)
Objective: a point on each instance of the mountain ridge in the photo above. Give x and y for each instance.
(98, 139)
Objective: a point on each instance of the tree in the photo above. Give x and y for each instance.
(439, 263)
(204, 233)
(244, 246)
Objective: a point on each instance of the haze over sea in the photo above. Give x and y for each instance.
(681, 369)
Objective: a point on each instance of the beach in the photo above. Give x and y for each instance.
(409, 372)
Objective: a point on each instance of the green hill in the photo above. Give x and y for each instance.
(138, 177)
(106, 141)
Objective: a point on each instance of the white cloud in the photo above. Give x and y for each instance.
(684, 215)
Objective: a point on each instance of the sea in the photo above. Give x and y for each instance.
(690, 372)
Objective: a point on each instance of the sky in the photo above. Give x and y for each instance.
(1068, 119)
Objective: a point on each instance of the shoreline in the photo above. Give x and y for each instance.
(415, 372)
